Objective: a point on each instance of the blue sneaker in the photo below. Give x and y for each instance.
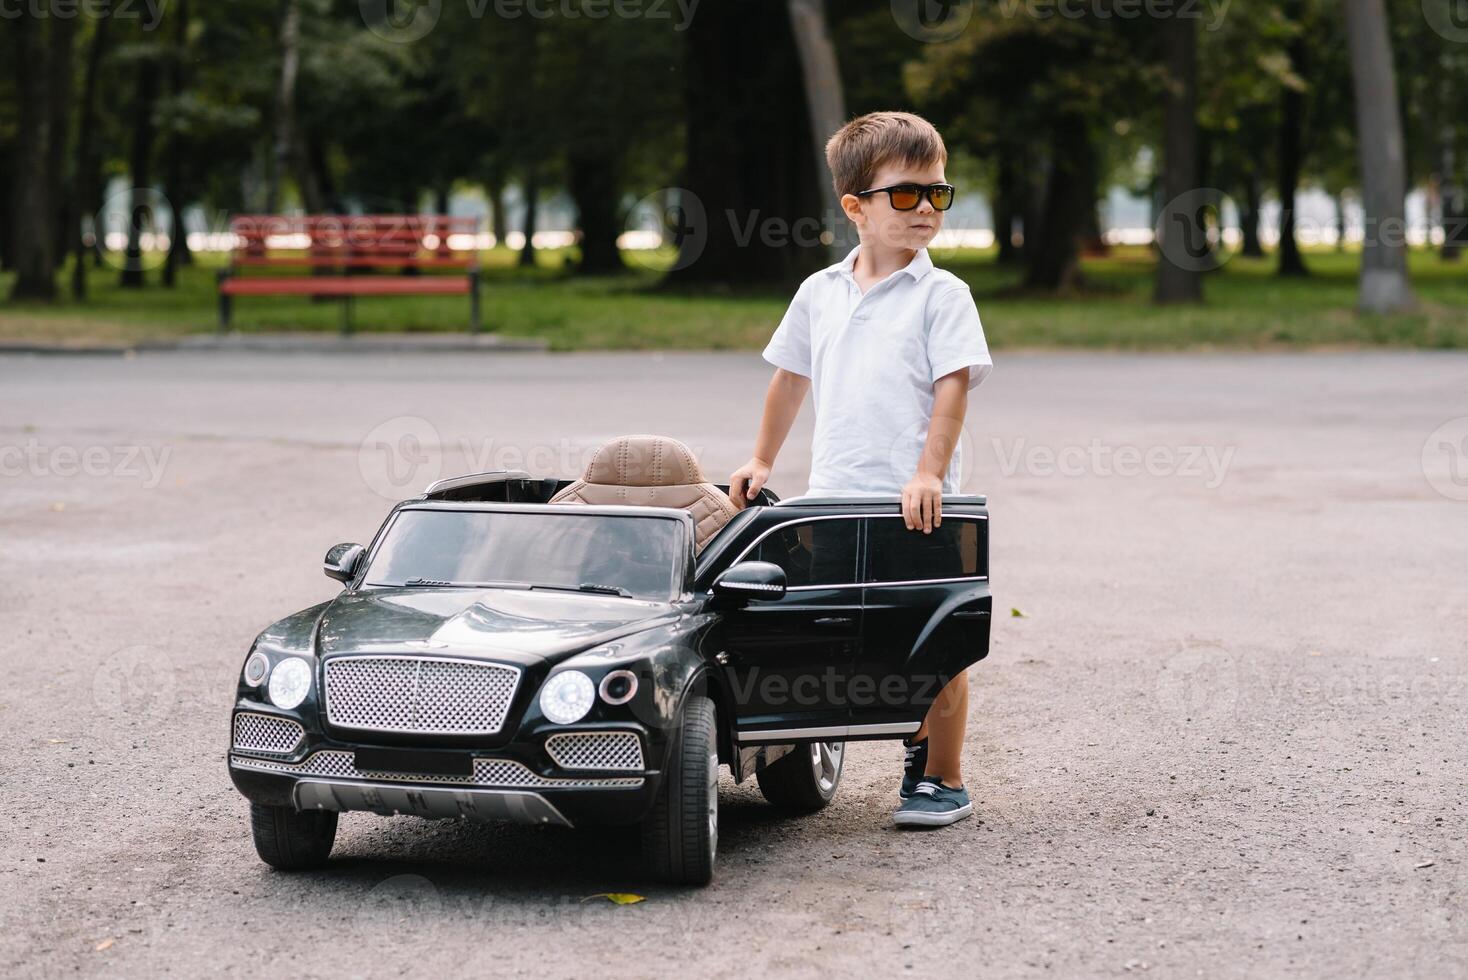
(933, 805)
(914, 764)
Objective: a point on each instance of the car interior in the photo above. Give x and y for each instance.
(636, 470)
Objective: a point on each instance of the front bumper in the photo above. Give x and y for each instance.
(323, 774)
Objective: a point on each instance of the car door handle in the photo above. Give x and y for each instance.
(971, 614)
(834, 621)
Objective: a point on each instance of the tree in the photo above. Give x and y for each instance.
(1180, 229)
(751, 168)
(1291, 144)
(37, 42)
(1384, 287)
(821, 77)
(87, 166)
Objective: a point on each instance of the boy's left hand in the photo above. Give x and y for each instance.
(922, 503)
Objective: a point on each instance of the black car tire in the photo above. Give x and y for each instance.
(805, 780)
(680, 835)
(289, 840)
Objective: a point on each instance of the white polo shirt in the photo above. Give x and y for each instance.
(872, 359)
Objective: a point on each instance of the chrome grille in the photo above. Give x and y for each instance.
(266, 733)
(595, 750)
(419, 695)
(487, 772)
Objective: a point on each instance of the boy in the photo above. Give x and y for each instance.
(890, 347)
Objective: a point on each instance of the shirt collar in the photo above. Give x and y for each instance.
(920, 265)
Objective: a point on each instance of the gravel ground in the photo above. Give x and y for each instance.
(1226, 738)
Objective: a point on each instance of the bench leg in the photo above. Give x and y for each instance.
(225, 305)
(474, 302)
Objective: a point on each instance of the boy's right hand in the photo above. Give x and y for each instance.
(747, 481)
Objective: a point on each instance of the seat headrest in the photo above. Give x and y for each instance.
(643, 461)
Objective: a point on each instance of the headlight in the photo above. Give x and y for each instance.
(567, 697)
(290, 682)
(257, 666)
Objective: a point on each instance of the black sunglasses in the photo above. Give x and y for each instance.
(905, 197)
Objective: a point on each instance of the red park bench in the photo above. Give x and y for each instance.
(346, 256)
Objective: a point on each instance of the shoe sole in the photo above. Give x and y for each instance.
(920, 818)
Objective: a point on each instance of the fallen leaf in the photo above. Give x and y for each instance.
(1425, 864)
(617, 898)
(1016, 614)
(104, 944)
(58, 506)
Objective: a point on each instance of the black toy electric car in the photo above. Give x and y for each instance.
(592, 651)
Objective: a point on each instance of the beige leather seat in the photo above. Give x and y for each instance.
(652, 471)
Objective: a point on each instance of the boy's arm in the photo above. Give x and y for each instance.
(782, 403)
(922, 498)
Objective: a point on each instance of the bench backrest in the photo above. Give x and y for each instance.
(356, 240)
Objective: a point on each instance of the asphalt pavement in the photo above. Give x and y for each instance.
(1221, 732)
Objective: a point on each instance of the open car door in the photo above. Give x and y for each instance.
(926, 612)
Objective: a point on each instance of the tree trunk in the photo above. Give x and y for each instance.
(285, 103)
(821, 75)
(1249, 217)
(494, 190)
(174, 189)
(1340, 221)
(140, 172)
(35, 263)
(1008, 192)
(1093, 242)
(1180, 230)
(1291, 150)
(1052, 250)
(60, 186)
(532, 196)
(753, 215)
(1455, 207)
(1384, 285)
(593, 184)
(87, 163)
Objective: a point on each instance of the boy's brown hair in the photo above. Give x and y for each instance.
(861, 147)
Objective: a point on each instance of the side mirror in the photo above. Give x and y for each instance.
(756, 580)
(341, 561)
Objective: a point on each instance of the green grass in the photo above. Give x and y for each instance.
(1246, 307)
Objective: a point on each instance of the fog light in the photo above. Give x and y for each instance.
(257, 666)
(567, 697)
(290, 682)
(618, 687)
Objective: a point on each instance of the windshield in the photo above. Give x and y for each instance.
(633, 555)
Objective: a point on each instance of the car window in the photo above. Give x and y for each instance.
(895, 554)
(641, 555)
(812, 553)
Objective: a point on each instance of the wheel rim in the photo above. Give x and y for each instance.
(713, 795)
(825, 764)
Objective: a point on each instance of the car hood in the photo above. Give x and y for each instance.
(513, 625)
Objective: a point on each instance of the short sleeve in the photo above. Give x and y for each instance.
(956, 337)
(789, 348)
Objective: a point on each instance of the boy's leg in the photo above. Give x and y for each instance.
(944, 728)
